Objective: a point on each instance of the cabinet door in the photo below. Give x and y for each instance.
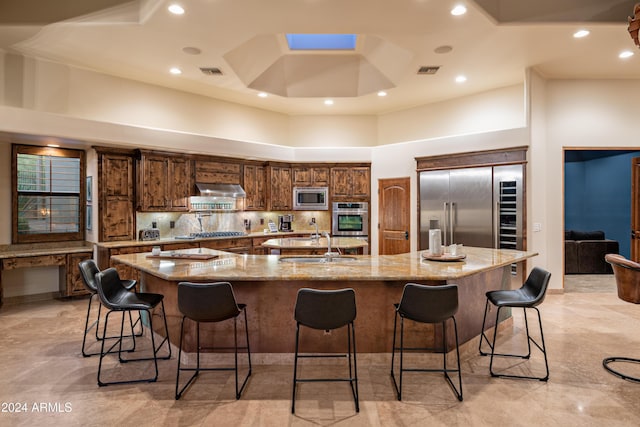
(115, 193)
(254, 185)
(181, 183)
(340, 183)
(281, 190)
(154, 186)
(75, 284)
(361, 182)
(302, 176)
(320, 177)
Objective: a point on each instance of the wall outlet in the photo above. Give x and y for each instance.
(154, 224)
(172, 224)
(313, 220)
(537, 227)
(261, 221)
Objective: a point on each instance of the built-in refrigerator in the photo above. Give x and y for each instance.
(480, 206)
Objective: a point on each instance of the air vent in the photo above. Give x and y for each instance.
(428, 70)
(211, 71)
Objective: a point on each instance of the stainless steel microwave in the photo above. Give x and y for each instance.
(311, 198)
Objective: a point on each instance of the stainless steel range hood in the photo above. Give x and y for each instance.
(220, 190)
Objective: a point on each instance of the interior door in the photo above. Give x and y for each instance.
(635, 209)
(394, 216)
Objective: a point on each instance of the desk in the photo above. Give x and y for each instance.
(67, 258)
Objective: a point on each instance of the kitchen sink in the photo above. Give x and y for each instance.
(317, 260)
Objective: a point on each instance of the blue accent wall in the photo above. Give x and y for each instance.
(597, 196)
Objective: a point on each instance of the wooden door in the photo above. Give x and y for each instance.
(394, 216)
(635, 209)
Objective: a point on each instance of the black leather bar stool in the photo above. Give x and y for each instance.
(204, 303)
(427, 304)
(627, 274)
(530, 295)
(326, 310)
(117, 298)
(88, 271)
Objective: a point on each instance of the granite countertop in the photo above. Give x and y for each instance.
(409, 266)
(168, 240)
(28, 250)
(308, 243)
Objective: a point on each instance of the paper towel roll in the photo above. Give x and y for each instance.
(435, 242)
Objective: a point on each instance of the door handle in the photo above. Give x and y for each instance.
(406, 235)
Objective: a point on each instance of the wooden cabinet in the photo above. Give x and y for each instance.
(74, 282)
(116, 216)
(281, 194)
(164, 182)
(308, 176)
(255, 178)
(350, 183)
(240, 246)
(218, 172)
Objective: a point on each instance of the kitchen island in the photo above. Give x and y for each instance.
(269, 286)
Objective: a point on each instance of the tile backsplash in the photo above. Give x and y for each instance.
(187, 222)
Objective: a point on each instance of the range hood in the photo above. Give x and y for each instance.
(220, 190)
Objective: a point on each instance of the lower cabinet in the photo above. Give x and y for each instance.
(74, 282)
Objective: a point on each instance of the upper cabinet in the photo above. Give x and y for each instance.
(308, 176)
(350, 183)
(164, 182)
(281, 193)
(116, 217)
(218, 172)
(255, 178)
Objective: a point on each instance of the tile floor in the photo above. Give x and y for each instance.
(43, 373)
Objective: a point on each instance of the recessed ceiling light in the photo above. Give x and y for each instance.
(382, 93)
(263, 94)
(461, 79)
(175, 71)
(328, 102)
(176, 9)
(625, 54)
(458, 10)
(443, 49)
(581, 33)
(191, 50)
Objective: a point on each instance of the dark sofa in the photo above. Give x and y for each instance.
(584, 252)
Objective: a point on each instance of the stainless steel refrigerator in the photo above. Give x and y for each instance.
(480, 206)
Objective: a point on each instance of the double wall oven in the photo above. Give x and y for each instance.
(350, 219)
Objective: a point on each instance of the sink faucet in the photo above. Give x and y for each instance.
(315, 236)
(329, 253)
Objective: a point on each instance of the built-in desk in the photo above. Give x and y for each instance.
(66, 258)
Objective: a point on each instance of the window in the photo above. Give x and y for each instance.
(321, 41)
(48, 193)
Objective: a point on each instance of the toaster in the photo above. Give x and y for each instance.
(149, 234)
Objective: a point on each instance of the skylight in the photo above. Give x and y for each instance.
(321, 41)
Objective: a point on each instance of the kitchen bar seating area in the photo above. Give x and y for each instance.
(580, 391)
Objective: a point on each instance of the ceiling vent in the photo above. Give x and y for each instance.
(428, 70)
(211, 71)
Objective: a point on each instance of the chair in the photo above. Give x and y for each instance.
(116, 298)
(627, 274)
(530, 295)
(88, 270)
(427, 304)
(326, 310)
(210, 302)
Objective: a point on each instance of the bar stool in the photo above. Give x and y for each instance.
(205, 303)
(530, 295)
(116, 298)
(88, 270)
(627, 274)
(326, 310)
(427, 304)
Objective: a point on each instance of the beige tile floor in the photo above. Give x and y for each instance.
(40, 363)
